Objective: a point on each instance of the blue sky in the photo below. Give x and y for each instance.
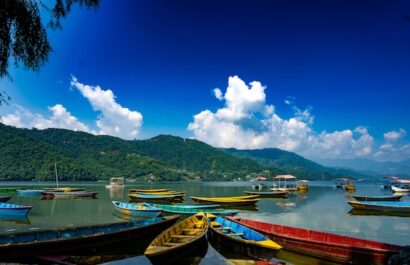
(344, 64)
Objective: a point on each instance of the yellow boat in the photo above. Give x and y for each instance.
(147, 191)
(238, 200)
(240, 238)
(180, 239)
(65, 189)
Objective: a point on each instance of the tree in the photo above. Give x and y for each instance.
(23, 35)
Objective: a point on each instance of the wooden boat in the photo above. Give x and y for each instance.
(14, 209)
(116, 183)
(362, 212)
(4, 198)
(327, 246)
(238, 201)
(147, 191)
(377, 198)
(64, 189)
(141, 196)
(139, 209)
(170, 192)
(70, 194)
(181, 209)
(240, 238)
(178, 240)
(197, 206)
(71, 239)
(381, 206)
(268, 194)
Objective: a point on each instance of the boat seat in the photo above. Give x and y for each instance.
(236, 234)
(226, 228)
(190, 229)
(169, 244)
(182, 236)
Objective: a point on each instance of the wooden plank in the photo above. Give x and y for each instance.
(182, 236)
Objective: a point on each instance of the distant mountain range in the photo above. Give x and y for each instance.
(30, 154)
(370, 167)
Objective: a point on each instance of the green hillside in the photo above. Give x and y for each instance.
(30, 155)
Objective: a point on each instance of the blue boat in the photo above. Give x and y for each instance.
(30, 192)
(14, 209)
(191, 209)
(137, 209)
(143, 196)
(381, 206)
(240, 238)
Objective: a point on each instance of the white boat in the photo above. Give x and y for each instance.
(116, 183)
(285, 183)
(398, 189)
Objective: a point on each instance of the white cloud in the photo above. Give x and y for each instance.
(114, 119)
(248, 122)
(218, 93)
(394, 135)
(59, 118)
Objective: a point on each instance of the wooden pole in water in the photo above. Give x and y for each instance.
(55, 169)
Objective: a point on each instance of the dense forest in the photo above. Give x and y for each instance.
(30, 154)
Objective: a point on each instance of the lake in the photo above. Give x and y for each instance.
(323, 208)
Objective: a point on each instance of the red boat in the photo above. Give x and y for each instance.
(323, 245)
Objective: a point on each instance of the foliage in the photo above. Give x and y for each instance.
(22, 33)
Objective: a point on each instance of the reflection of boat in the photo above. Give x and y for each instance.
(377, 198)
(325, 245)
(269, 194)
(65, 240)
(14, 209)
(17, 219)
(240, 238)
(359, 212)
(116, 183)
(147, 191)
(286, 204)
(237, 200)
(178, 240)
(137, 209)
(4, 198)
(8, 189)
(381, 206)
(191, 209)
(29, 192)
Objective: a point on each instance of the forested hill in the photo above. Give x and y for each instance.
(30, 155)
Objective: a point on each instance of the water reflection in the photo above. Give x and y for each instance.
(15, 219)
(361, 212)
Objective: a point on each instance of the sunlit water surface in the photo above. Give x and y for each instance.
(323, 208)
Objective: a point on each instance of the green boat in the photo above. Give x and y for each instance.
(190, 209)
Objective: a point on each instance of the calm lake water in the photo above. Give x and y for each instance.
(323, 208)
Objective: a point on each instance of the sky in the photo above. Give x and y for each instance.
(324, 79)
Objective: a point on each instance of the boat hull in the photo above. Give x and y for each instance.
(397, 189)
(4, 198)
(175, 209)
(228, 201)
(325, 246)
(71, 245)
(70, 194)
(14, 209)
(377, 198)
(221, 241)
(123, 208)
(269, 194)
(403, 207)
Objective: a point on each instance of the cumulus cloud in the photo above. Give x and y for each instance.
(247, 122)
(59, 118)
(394, 135)
(113, 118)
